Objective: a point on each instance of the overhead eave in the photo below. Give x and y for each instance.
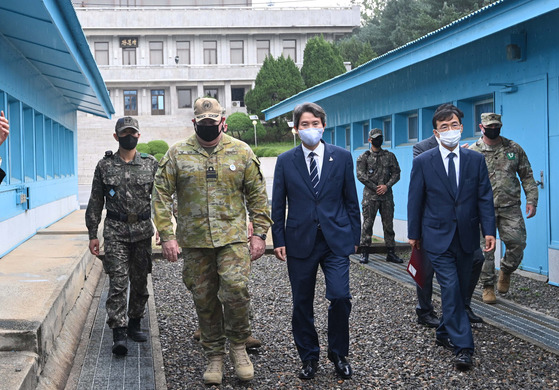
(489, 20)
(48, 34)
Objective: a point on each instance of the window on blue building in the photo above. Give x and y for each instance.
(366, 133)
(40, 146)
(479, 108)
(28, 144)
(387, 130)
(412, 127)
(348, 138)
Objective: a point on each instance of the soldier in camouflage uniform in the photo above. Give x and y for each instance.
(123, 182)
(214, 175)
(378, 170)
(505, 159)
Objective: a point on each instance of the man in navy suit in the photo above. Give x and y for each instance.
(425, 312)
(449, 198)
(322, 227)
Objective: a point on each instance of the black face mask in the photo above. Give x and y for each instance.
(207, 133)
(377, 142)
(492, 133)
(128, 142)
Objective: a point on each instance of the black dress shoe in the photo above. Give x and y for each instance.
(309, 369)
(429, 320)
(342, 366)
(463, 360)
(474, 318)
(446, 343)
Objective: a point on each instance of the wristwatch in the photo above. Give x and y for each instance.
(262, 236)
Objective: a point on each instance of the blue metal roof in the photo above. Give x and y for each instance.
(49, 35)
(496, 17)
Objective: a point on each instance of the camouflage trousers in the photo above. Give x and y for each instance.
(218, 279)
(370, 208)
(126, 262)
(512, 232)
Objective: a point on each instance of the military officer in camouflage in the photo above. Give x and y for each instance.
(214, 176)
(378, 170)
(505, 160)
(123, 182)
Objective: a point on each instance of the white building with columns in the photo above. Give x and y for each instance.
(156, 60)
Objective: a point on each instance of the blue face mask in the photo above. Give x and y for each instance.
(311, 136)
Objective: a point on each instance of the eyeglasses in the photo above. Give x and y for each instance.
(452, 126)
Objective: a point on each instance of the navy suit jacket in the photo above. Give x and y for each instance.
(435, 213)
(336, 208)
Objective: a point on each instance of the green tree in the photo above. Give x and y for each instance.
(321, 62)
(394, 23)
(277, 80)
(355, 51)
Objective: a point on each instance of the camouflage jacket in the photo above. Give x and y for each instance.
(374, 168)
(212, 191)
(123, 188)
(504, 161)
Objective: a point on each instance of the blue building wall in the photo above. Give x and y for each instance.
(47, 73)
(478, 74)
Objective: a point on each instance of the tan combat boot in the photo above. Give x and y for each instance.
(252, 343)
(503, 283)
(489, 295)
(196, 335)
(241, 361)
(214, 371)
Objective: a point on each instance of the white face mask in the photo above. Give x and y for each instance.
(450, 138)
(311, 136)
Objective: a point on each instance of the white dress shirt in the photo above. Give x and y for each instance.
(319, 151)
(444, 154)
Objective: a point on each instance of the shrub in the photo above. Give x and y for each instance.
(143, 148)
(158, 147)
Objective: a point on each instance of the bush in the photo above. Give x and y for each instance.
(143, 148)
(159, 156)
(158, 147)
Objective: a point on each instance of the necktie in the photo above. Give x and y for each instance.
(314, 172)
(452, 173)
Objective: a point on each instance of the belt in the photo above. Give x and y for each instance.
(130, 218)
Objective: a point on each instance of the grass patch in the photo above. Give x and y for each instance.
(272, 149)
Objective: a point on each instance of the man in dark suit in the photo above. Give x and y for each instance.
(4, 131)
(449, 198)
(322, 227)
(425, 313)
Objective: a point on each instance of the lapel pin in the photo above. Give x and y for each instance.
(331, 159)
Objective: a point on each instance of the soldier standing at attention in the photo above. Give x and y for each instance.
(505, 159)
(378, 170)
(123, 182)
(214, 175)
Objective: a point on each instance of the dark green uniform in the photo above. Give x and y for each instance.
(125, 189)
(375, 168)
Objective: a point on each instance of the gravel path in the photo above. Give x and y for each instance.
(388, 349)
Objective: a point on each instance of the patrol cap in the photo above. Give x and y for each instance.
(490, 118)
(374, 133)
(126, 123)
(207, 108)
